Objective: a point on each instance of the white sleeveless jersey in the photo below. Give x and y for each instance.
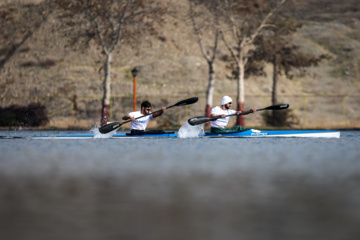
(221, 122)
(141, 123)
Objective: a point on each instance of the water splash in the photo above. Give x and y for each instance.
(188, 131)
(98, 134)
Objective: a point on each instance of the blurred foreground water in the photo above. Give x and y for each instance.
(162, 189)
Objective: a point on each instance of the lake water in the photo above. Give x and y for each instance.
(179, 189)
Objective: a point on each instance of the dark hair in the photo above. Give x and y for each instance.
(145, 104)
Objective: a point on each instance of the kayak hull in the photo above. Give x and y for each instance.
(277, 133)
(245, 134)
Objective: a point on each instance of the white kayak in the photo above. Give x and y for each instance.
(246, 134)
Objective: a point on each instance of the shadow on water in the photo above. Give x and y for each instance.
(11, 137)
(196, 207)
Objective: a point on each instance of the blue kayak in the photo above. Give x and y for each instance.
(246, 134)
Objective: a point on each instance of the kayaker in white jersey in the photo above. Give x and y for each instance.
(218, 126)
(138, 126)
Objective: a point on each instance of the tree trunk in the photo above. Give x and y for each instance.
(210, 92)
(273, 95)
(107, 90)
(240, 91)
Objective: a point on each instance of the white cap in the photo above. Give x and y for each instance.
(225, 100)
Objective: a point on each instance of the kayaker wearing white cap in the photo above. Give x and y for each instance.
(218, 126)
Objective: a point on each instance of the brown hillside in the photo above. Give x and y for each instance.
(46, 69)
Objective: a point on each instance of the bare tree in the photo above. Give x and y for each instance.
(209, 55)
(243, 22)
(110, 23)
(274, 46)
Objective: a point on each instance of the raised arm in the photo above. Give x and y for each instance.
(127, 116)
(157, 114)
(251, 111)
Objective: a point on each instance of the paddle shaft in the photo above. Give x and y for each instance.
(234, 114)
(273, 107)
(146, 115)
(201, 120)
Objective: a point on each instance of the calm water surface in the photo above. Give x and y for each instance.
(246, 188)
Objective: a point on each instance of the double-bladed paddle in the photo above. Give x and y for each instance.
(200, 120)
(112, 126)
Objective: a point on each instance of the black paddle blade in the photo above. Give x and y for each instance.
(199, 120)
(109, 127)
(277, 107)
(187, 101)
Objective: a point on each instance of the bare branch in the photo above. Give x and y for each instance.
(101, 37)
(263, 23)
(231, 50)
(209, 58)
(197, 33)
(215, 44)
